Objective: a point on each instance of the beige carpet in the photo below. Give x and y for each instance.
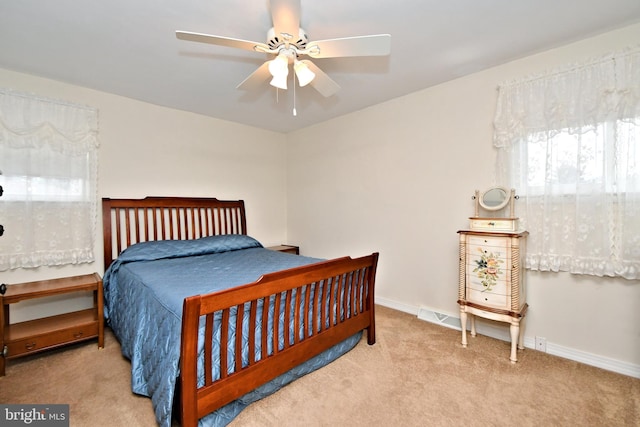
(417, 374)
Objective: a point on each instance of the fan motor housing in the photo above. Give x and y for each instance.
(277, 40)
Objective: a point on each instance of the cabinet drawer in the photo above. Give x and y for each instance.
(488, 298)
(479, 255)
(496, 242)
(502, 287)
(52, 339)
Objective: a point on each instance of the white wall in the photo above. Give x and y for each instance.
(398, 178)
(151, 150)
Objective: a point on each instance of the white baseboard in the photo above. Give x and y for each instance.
(452, 321)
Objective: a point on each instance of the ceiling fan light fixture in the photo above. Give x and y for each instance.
(304, 74)
(279, 69)
(279, 66)
(279, 81)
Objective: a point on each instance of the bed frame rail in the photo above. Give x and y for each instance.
(129, 221)
(337, 295)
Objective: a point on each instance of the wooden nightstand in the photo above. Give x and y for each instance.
(286, 248)
(24, 338)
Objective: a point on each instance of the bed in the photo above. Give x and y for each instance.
(212, 320)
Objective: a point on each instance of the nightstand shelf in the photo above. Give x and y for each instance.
(32, 336)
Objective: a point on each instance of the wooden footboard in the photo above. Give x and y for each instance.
(337, 297)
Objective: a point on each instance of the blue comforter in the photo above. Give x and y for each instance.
(144, 291)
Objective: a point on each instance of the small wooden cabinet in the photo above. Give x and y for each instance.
(24, 338)
(492, 281)
(286, 248)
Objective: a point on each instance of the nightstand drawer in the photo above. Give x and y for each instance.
(50, 340)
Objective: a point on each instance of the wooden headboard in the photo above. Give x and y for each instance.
(129, 221)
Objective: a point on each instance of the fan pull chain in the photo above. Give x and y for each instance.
(295, 113)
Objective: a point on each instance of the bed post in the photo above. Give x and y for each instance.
(106, 229)
(371, 330)
(189, 361)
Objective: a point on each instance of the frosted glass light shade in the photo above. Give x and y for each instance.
(279, 69)
(280, 81)
(304, 74)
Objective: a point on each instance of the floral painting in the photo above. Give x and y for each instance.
(488, 269)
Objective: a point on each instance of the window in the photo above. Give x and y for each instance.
(569, 142)
(583, 162)
(48, 171)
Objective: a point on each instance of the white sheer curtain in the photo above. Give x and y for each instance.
(569, 142)
(48, 166)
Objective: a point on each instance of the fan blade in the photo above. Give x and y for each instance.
(375, 45)
(221, 41)
(285, 15)
(322, 82)
(256, 79)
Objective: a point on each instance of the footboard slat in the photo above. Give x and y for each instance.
(333, 288)
(208, 349)
(307, 297)
(239, 332)
(296, 316)
(287, 320)
(337, 294)
(324, 312)
(252, 331)
(355, 286)
(263, 330)
(316, 312)
(224, 342)
(344, 291)
(276, 323)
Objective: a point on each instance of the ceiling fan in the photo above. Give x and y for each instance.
(289, 43)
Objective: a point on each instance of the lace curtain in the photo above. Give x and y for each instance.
(48, 171)
(569, 142)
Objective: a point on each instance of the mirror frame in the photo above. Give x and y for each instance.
(501, 205)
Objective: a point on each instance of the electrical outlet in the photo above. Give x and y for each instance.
(541, 344)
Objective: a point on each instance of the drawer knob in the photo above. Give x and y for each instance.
(78, 335)
(30, 346)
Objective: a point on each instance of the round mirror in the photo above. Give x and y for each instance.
(494, 198)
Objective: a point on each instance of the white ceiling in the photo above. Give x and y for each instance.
(129, 48)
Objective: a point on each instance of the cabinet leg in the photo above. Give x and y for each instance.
(515, 332)
(473, 325)
(463, 324)
(521, 335)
